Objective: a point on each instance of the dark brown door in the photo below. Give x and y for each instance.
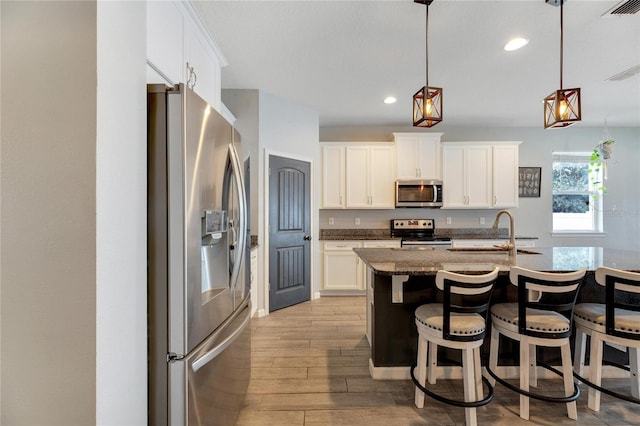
(289, 232)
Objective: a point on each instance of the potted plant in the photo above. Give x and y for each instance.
(598, 160)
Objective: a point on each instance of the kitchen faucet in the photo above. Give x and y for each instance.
(511, 245)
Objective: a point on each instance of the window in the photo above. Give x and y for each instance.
(577, 207)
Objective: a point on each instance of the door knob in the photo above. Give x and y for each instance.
(307, 238)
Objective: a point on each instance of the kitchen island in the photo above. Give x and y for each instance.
(401, 279)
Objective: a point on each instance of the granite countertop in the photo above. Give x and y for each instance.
(427, 261)
(385, 234)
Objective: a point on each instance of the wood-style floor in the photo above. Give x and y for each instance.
(310, 367)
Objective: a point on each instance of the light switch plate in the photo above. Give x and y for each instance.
(448, 221)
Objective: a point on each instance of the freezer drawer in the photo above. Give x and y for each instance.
(213, 380)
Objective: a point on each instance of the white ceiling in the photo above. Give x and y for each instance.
(342, 58)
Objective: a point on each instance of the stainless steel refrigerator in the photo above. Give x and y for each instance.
(198, 288)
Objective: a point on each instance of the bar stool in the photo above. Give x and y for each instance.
(614, 322)
(458, 323)
(541, 317)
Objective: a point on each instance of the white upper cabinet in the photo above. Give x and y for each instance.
(418, 156)
(480, 175)
(505, 175)
(370, 176)
(181, 50)
(333, 169)
(357, 175)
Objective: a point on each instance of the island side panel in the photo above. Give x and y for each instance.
(394, 337)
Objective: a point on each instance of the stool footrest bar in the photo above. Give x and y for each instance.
(455, 402)
(540, 397)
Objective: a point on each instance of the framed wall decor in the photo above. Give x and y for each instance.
(529, 181)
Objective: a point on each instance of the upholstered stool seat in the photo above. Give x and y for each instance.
(432, 316)
(505, 315)
(593, 316)
(457, 323)
(617, 322)
(541, 317)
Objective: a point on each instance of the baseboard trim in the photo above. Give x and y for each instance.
(342, 293)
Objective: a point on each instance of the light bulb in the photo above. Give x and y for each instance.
(563, 109)
(428, 107)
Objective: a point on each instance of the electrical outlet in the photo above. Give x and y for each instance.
(448, 220)
(357, 221)
(482, 221)
(331, 221)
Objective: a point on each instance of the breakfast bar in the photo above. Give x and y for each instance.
(398, 280)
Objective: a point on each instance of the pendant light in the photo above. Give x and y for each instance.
(427, 102)
(562, 107)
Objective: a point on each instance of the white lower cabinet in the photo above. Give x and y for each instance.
(342, 268)
(254, 280)
(343, 271)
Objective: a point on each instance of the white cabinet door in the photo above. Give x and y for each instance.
(381, 174)
(254, 280)
(418, 156)
(370, 177)
(333, 177)
(206, 70)
(454, 193)
(342, 267)
(478, 176)
(165, 29)
(505, 176)
(357, 176)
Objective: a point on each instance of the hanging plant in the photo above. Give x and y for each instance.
(598, 161)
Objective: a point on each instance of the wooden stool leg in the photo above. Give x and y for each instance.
(579, 353)
(595, 371)
(468, 374)
(524, 377)
(493, 354)
(634, 365)
(533, 366)
(421, 369)
(432, 363)
(477, 372)
(567, 372)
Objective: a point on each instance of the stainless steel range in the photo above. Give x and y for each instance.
(417, 232)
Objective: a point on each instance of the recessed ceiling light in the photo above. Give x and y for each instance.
(515, 44)
(390, 100)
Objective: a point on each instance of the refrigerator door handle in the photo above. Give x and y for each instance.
(242, 222)
(210, 355)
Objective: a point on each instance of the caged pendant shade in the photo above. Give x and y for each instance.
(427, 102)
(561, 108)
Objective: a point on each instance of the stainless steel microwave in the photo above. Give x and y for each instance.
(418, 193)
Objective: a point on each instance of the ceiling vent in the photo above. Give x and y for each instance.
(625, 74)
(625, 7)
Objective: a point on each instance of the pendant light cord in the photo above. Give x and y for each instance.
(561, 42)
(427, 45)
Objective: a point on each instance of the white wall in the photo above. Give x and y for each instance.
(271, 125)
(533, 217)
(48, 227)
(72, 224)
(121, 208)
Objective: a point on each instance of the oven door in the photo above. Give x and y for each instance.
(418, 193)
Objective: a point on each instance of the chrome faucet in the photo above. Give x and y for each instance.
(511, 245)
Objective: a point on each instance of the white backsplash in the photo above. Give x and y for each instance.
(379, 219)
